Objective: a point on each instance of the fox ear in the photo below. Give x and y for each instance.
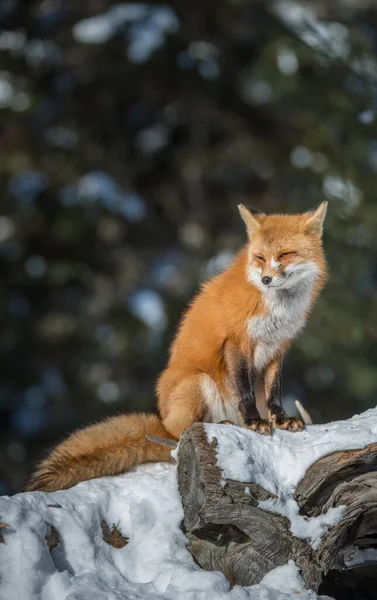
(250, 218)
(314, 221)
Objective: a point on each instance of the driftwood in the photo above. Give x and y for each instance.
(229, 532)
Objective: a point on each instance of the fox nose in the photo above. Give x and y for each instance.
(266, 280)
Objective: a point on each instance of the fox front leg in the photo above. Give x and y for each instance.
(277, 416)
(242, 378)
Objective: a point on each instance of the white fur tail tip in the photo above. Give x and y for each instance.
(160, 440)
(303, 413)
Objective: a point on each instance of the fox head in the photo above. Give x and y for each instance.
(284, 250)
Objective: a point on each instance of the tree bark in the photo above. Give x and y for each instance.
(229, 532)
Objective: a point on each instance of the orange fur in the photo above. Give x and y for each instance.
(197, 384)
(223, 307)
(107, 448)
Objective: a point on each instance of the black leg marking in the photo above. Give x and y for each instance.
(243, 380)
(273, 377)
(276, 413)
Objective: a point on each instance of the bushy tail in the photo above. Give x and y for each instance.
(107, 448)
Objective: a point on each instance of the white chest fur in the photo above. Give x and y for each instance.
(287, 310)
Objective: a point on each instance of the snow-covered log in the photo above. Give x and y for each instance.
(253, 503)
(121, 538)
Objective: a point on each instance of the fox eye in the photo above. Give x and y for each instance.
(286, 254)
(260, 257)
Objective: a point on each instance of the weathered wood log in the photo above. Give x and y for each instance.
(322, 478)
(230, 532)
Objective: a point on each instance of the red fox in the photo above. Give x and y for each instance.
(235, 333)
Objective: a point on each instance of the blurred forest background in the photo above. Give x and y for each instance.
(129, 133)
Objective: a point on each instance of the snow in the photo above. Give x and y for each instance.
(147, 305)
(155, 565)
(305, 528)
(342, 189)
(145, 507)
(145, 27)
(280, 461)
(330, 38)
(98, 187)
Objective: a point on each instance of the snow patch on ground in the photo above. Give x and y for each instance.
(280, 461)
(155, 564)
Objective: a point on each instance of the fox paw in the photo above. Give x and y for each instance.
(260, 426)
(286, 423)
